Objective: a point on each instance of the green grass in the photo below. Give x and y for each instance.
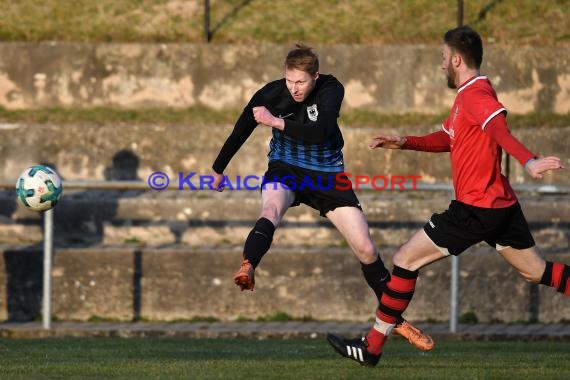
(279, 316)
(101, 116)
(257, 21)
(177, 358)
(206, 116)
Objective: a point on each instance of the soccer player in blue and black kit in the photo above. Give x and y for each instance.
(305, 164)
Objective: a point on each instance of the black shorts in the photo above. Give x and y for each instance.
(319, 190)
(462, 225)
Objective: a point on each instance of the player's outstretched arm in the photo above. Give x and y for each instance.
(433, 142)
(387, 142)
(498, 131)
(537, 167)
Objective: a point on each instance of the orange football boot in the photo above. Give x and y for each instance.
(244, 277)
(415, 336)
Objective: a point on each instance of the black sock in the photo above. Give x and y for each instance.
(376, 276)
(258, 241)
(547, 275)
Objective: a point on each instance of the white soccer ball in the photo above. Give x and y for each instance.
(39, 188)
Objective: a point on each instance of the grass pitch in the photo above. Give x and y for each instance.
(178, 358)
(531, 22)
(202, 116)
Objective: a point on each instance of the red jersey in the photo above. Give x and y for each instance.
(475, 157)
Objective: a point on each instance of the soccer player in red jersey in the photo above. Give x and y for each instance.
(485, 206)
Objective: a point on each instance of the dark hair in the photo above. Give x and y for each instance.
(302, 58)
(467, 43)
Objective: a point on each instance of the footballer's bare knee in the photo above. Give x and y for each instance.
(532, 278)
(528, 262)
(366, 251)
(272, 212)
(404, 260)
(414, 258)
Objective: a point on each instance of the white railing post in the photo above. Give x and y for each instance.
(454, 295)
(48, 254)
(454, 289)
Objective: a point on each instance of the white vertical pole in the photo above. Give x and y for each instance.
(48, 254)
(454, 289)
(454, 295)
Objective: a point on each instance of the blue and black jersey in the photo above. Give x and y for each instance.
(311, 138)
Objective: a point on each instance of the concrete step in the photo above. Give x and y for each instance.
(181, 283)
(282, 330)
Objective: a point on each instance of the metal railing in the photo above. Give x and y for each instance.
(141, 185)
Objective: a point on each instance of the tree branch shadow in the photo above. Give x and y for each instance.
(228, 17)
(486, 9)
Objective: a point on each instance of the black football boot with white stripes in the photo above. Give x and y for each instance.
(354, 349)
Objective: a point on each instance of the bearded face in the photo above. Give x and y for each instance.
(447, 66)
(451, 75)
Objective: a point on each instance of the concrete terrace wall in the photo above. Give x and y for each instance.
(181, 284)
(135, 151)
(391, 79)
(170, 255)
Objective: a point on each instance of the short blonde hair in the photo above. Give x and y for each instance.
(302, 58)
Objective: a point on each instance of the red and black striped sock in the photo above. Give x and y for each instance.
(557, 275)
(395, 299)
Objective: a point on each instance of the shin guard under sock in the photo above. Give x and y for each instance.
(258, 241)
(376, 276)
